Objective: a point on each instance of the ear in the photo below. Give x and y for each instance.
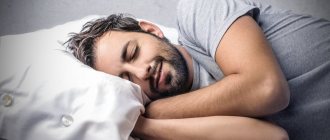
(151, 28)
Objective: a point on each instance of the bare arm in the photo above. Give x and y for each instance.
(253, 85)
(208, 128)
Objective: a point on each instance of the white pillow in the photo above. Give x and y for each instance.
(47, 94)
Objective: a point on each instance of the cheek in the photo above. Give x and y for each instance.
(153, 48)
(167, 67)
(150, 53)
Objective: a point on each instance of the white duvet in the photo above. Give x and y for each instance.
(46, 94)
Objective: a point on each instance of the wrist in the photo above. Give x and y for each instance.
(144, 128)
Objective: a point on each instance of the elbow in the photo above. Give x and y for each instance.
(281, 135)
(277, 95)
(284, 137)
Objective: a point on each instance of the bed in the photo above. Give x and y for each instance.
(71, 109)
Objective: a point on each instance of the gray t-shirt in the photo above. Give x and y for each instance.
(300, 43)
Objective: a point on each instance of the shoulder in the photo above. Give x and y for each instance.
(202, 23)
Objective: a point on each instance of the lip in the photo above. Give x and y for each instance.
(158, 75)
(161, 79)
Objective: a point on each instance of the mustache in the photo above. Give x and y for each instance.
(153, 70)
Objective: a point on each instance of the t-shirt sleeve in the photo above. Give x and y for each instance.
(203, 23)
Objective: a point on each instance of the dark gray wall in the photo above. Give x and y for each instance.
(20, 16)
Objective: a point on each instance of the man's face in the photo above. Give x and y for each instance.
(155, 65)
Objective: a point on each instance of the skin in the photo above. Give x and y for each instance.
(252, 87)
(253, 83)
(208, 128)
(141, 70)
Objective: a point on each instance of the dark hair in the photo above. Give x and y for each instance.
(82, 44)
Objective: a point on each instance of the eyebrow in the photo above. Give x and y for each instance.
(124, 52)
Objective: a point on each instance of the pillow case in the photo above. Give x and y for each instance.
(48, 94)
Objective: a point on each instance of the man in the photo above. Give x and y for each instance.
(236, 58)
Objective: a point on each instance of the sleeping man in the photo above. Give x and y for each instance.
(235, 58)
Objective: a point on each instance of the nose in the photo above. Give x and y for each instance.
(141, 71)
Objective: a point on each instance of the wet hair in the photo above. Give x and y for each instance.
(82, 44)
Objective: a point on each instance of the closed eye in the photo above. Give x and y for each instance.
(135, 53)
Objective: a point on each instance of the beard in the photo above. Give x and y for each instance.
(178, 79)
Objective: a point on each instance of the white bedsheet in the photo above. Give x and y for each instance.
(47, 94)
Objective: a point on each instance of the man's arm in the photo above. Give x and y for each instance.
(208, 128)
(254, 84)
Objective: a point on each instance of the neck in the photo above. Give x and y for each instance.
(189, 62)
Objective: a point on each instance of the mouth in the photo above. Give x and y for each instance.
(158, 76)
